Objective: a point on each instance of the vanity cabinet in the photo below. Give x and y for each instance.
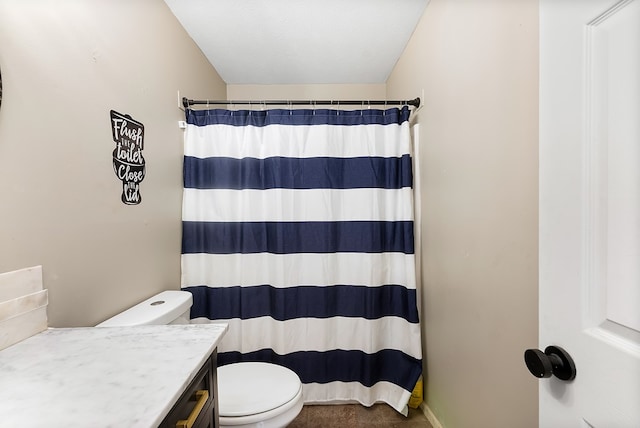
(198, 405)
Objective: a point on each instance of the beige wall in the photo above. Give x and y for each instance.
(64, 65)
(477, 63)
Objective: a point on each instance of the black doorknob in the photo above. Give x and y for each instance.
(553, 361)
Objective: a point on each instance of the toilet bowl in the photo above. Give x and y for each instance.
(250, 394)
(256, 394)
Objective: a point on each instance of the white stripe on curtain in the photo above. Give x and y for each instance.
(298, 232)
(265, 332)
(316, 141)
(296, 205)
(290, 270)
(344, 392)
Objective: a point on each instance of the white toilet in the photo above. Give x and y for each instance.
(250, 394)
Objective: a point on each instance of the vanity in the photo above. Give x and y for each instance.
(145, 376)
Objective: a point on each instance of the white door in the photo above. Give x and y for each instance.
(590, 210)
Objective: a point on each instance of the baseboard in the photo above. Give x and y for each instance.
(435, 423)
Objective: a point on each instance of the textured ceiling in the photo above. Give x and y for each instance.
(300, 41)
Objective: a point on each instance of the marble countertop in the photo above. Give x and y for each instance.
(101, 377)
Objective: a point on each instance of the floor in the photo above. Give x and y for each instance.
(357, 416)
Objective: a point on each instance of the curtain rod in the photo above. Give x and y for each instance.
(187, 102)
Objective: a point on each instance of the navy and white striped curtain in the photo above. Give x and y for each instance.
(298, 232)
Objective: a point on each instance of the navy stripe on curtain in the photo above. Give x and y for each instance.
(304, 301)
(340, 365)
(297, 237)
(297, 117)
(297, 173)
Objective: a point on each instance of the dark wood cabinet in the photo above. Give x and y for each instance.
(198, 405)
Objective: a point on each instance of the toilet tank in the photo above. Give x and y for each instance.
(168, 307)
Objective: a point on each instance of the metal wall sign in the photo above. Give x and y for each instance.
(128, 162)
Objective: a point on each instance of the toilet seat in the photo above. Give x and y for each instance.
(254, 393)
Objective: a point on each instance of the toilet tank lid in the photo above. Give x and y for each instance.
(162, 308)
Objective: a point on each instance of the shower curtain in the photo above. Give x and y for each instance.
(298, 233)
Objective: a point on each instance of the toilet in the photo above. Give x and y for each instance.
(250, 394)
